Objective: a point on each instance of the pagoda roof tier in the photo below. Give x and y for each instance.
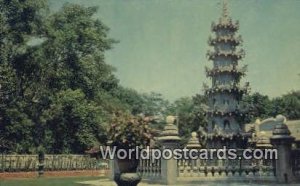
(226, 69)
(226, 112)
(233, 54)
(230, 88)
(225, 24)
(225, 39)
(224, 109)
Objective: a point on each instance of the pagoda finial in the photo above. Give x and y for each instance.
(225, 9)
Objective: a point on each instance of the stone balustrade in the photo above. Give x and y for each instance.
(55, 162)
(150, 168)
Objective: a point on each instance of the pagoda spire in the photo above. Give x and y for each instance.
(225, 9)
(225, 13)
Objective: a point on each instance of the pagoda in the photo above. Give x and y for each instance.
(224, 113)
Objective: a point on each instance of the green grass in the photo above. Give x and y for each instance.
(70, 181)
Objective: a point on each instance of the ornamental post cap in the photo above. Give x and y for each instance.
(281, 129)
(280, 118)
(194, 134)
(170, 119)
(193, 142)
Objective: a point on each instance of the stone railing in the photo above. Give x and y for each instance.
(19, 163)
(296, 162)
(150, 168)
(215, 168)
(71, 162)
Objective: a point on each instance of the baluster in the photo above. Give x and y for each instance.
(201, 169)
(10, 164)
(143, 167)
(150, 168)
(155, 168)
(240, 167)
(180, 169)
(205, 170)
(153, 171)
(16, 163)
(213, 171)
(147, 168)
(2, 164)
(185, 167)
(190, 171)
(159, 167)
(226, 170)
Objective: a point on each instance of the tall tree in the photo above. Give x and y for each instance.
(52, 74)
(20, 21)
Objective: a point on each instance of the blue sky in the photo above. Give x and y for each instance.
(163, 42)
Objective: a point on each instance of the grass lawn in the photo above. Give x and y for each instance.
(70, 181)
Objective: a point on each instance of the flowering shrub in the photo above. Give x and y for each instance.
(127, 131)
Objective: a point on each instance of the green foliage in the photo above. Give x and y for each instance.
(190, 115)
(19, 22)
(75, 49)
(287, 105)
(74, 122)
(261, 106)
(50, 89)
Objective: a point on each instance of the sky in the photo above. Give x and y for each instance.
(163, 43)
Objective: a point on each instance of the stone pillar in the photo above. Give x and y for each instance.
(169, 140)
(282, 141)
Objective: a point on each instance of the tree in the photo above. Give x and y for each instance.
(75, 123)
(287, 105)
(190, 115)
(258, 105)
(20, 21)
(74, 50)
(49, 89)
(76, 75)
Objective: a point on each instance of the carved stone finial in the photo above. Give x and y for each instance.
(170, 119)
(170, 132)
(281, 118)
(193, 143)
(194, 135)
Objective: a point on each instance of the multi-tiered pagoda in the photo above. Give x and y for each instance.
(224, 112)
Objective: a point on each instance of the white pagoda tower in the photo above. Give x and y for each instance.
(225, 93)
